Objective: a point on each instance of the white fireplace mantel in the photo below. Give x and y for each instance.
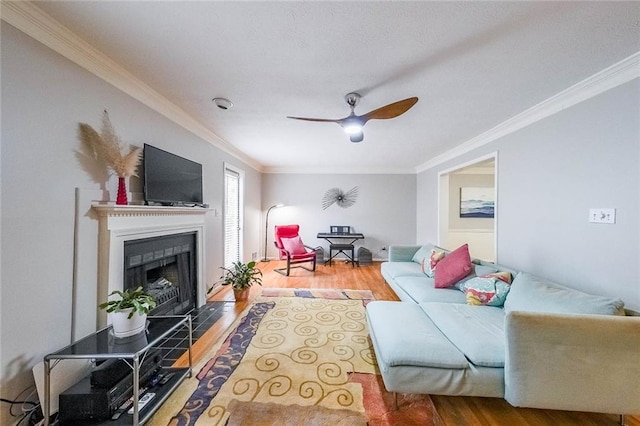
(118, 224)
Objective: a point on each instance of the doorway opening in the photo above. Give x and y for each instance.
(467, 207)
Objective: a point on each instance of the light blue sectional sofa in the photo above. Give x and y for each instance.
(549, 346)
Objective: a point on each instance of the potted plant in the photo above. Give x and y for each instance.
(241, 276)
(128, 310)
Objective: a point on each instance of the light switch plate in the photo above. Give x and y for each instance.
(602, 216)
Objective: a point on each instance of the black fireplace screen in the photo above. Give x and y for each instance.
(165, 267)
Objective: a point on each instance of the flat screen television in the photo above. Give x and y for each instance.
(169, 179)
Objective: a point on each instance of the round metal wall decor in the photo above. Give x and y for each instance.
(339, 197)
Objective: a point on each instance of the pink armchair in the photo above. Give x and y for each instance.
(291, 248)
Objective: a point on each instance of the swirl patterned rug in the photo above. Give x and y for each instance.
(296, 357)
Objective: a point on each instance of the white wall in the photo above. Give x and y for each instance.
(549, 175)
(385, 211)
(44, 97)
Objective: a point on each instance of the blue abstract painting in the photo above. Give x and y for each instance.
(477, 202)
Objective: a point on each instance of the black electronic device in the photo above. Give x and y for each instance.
(83, 401)
(170, 179)
(109, 373)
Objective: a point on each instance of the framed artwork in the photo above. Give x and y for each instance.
(477, 202)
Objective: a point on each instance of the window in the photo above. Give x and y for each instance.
(232, 215)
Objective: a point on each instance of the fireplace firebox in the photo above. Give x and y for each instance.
(166, 267)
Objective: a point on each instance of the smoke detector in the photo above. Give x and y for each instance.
(223, 103)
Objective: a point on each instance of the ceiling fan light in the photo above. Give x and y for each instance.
(352, 126)
(353, 129)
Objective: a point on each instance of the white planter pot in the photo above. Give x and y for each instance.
(124, 327)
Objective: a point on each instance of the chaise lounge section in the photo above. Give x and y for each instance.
(542, 345)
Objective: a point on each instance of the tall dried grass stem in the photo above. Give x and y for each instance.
(108, 147)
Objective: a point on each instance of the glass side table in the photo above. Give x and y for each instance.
(103, 345)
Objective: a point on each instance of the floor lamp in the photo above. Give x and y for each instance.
(266, 229)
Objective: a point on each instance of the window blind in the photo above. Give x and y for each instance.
(231, 217)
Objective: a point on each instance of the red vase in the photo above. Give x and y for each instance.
(122, 192)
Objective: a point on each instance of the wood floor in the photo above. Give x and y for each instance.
(454, 411)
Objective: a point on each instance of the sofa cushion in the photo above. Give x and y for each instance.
(422, 253)
(454, 267)
(402, 253)
(535, 294)
(478, 331)
(401, 269)
(405, 336)
(421, 289)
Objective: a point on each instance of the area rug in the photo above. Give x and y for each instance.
(293, 359)
(321, 293)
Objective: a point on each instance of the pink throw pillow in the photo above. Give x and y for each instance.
(293, 245)
(454, 267)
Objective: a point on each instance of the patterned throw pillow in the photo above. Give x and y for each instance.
(478, 271)
(490, 289)
(503, 276)
(429, 263)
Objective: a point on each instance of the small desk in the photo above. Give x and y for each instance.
(340, 243)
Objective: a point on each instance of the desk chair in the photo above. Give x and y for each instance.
(291, 248)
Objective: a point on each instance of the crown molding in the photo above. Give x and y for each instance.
(340, 170)
(613, 76)
(32, 21)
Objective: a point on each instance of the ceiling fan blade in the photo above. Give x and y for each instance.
(390, 111)
(321, 120)
(357, 137)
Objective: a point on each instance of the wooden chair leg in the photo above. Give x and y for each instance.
(395, 401)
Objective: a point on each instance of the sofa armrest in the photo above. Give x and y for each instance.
(573, 362)
(399, 253)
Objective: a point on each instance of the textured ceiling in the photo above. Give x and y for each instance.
(473, 65)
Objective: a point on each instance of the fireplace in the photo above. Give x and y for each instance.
(165, 267)
(160, 248)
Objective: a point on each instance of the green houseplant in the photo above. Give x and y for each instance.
(128, 310)
(241, 276)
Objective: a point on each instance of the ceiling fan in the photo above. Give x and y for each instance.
(352, 124)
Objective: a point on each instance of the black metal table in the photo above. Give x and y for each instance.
(341, 243)
(103, 345)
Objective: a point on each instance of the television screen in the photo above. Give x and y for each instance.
(170, 179)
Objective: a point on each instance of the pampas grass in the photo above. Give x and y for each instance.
(107, 146)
